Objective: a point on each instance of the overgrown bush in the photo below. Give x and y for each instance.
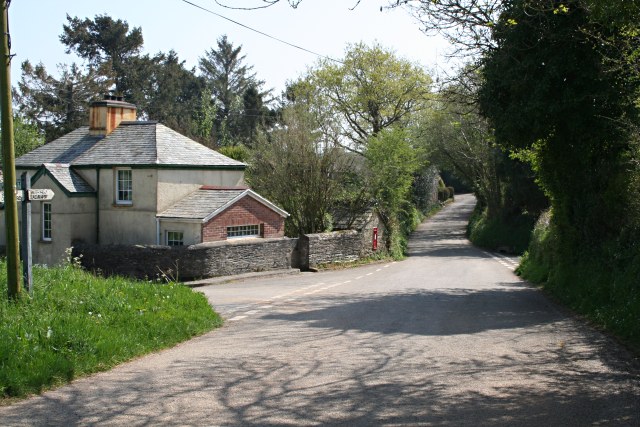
(236, 152)
(510, 235)
(451, 192)
(606, 291)
(443, 194)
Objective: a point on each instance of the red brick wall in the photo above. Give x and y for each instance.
(246, 211)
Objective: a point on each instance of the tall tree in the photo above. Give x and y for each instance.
(229, 78)
(298, 169)
(104, 40)
(370, 90)
(175, 93)
(548, 90)
(58, 105)
(391, 162)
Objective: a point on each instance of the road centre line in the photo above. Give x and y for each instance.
(359, 277)
(368, 274)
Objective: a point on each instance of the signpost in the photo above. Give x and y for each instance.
(27, 195)
(25, 234)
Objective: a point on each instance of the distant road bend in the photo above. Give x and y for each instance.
(448, 337)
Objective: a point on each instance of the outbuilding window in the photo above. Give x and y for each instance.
(124, 187)
(252, 230)
(46, 222)
(175, 238)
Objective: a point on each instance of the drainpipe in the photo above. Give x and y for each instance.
(157, 231)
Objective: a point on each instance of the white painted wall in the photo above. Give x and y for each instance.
(192, 232)
(73, 219)
(128, 224)
(174, 185)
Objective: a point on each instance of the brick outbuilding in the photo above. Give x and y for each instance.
(214, 213)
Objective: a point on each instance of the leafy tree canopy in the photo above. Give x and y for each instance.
(103, 40)
(370, 90)
(59, 105)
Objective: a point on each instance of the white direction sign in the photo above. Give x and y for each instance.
(40, 194)
(19, 196)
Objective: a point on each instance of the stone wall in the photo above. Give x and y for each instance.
(229, 257)
(188, 262)
(325, 248)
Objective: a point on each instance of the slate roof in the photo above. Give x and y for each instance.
(207, 202)
(62, 150)
(131, 144)
(68, 179)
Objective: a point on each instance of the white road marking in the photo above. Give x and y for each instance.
(252, 312)
(504, 261)
(359, 277)
(237, 318)
(368, 274)
(378, 270)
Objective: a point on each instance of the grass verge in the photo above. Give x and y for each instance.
(77, 324)
(607, 293)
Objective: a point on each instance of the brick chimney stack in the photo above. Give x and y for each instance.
(106, 115)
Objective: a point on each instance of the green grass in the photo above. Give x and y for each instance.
(604, 291)
(512, 235)
(77, 324)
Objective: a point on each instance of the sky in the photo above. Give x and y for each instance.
(322, 26)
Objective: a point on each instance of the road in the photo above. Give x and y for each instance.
(448, 337)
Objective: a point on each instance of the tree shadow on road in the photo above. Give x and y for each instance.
(370, 379)
(431, 312)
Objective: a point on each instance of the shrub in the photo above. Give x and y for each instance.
(511, 234)
(451, 192)
(443, 194)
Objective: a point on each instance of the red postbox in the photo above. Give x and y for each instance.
(375, 238)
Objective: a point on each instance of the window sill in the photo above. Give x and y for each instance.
(122, 205)
(45, 241)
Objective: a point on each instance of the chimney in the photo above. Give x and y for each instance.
(106, 115)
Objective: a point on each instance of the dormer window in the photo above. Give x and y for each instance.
(124, 186)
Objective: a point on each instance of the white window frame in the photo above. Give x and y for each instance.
(243, 231)
(46, 222)
(168, 240)
(121, 201)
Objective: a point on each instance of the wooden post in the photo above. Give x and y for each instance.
(27, 253)
(8, 162)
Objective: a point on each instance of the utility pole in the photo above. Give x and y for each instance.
(8, 161)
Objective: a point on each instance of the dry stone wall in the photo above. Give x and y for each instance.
(188, 262)
(226, 258)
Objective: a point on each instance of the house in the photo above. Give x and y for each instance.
(122, 181)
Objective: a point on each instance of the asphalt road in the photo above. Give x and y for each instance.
(448, 337)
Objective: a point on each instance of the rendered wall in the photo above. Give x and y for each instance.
(128, 224)
(192, 231)
(174, 185)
